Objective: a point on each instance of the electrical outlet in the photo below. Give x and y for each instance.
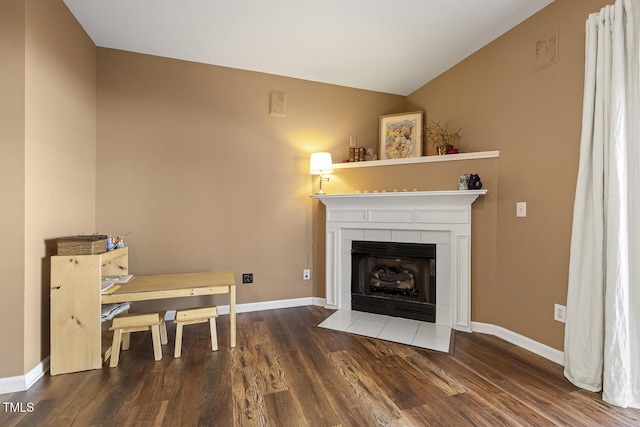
(521, 209)
(559, 312)
(247, 278)
(306, 274)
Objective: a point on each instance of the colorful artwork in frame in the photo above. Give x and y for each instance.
(401, 135)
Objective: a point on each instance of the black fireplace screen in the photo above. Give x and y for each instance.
(397, 279)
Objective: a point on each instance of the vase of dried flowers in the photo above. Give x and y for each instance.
(439, 135)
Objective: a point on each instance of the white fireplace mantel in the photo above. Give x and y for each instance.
(440, 217)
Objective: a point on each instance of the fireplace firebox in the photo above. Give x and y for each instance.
(396, 279)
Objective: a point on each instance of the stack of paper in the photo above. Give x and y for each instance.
(111, 283)
(109, 311)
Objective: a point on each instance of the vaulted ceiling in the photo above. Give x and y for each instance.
(387, 46)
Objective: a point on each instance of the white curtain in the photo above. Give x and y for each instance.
(602, 331)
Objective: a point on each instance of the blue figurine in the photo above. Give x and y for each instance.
(474, 182)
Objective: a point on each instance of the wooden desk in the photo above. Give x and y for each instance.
(76, 328)
(163, 286)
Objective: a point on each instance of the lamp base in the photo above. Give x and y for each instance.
(322, 178)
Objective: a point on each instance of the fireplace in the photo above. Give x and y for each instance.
(425, 217)
(394, 278)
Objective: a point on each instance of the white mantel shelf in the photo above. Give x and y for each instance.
(422, 159)
(396, 197)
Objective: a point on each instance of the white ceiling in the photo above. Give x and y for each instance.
(392, 46)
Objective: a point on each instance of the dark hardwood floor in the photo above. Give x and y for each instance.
(287, 372)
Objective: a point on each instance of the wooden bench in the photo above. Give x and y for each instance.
(191, 317)
(123, 326)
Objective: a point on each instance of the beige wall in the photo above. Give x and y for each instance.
(60, 124)
(48, 163)
(193, 166)
(12, 52)
(534, 119)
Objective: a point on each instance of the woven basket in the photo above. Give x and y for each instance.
(82, 245)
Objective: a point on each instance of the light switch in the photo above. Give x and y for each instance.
(521, 209)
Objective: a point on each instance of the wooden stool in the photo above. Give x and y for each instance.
(191, 317)
(123, 326)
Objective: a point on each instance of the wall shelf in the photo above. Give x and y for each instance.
(423, 159)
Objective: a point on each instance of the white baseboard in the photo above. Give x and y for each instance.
(319, 301)
(24, 382)
(272, 305)
(540, 349)
(261, 306)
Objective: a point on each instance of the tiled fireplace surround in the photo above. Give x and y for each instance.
(440, 217)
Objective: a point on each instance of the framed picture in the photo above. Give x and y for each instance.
(401, 135)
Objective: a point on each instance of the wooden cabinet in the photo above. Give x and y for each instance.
(76, 325)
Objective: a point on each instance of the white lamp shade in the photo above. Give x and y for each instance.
(320, 164)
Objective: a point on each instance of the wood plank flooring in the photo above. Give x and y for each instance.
(287, 372)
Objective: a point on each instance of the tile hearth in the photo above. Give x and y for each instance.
(403, 331)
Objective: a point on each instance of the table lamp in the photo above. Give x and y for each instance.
(321, 164)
